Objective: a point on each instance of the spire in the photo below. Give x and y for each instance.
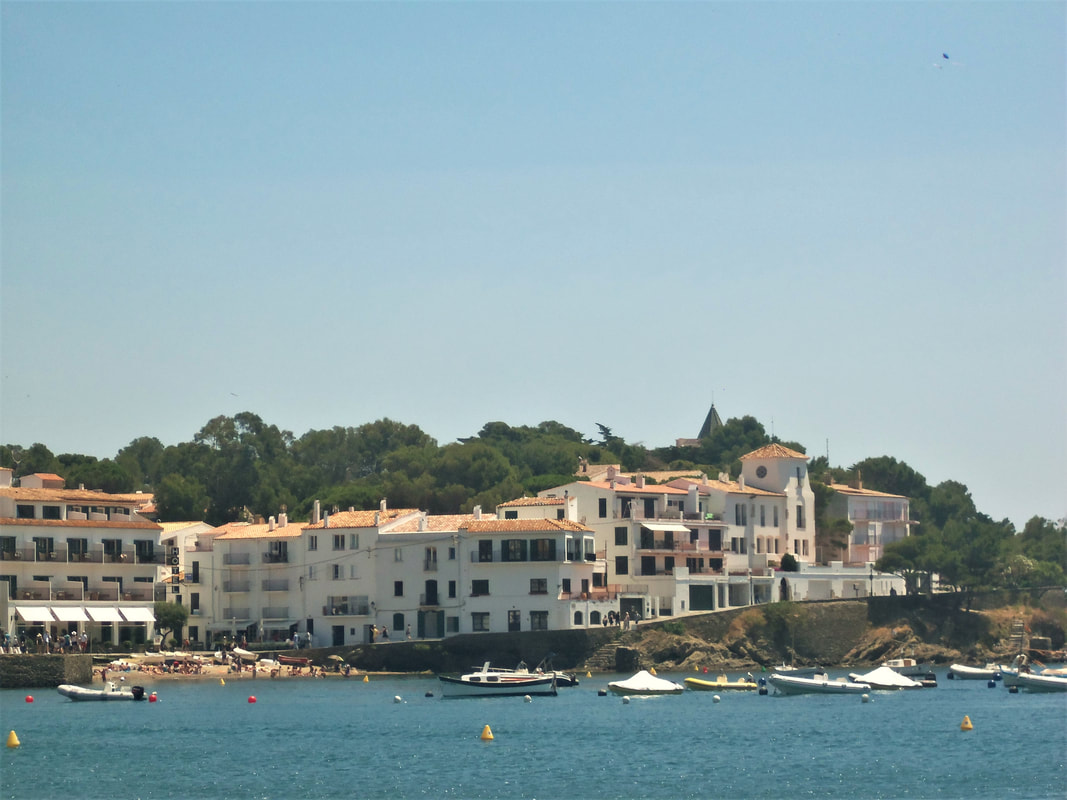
(711, 422)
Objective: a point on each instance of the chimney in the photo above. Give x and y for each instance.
(270, 524)
(377, 518)
(422, 523)
(612, 472)
(477, 512)
(691, 502)
(381, 505)
(283, 520)
(611, 483)
(741, 481)
(326, 520)
(6, 474)
(859, 479)
(640, 481)
(316, 513)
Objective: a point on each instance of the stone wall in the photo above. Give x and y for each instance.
(30, 671)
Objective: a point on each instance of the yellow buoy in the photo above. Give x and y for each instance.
(222, 681)
(588, 674)
(696, 668)
(966, 724)
(366, 678)
(653, 670)
(487, 735)
(13, 740)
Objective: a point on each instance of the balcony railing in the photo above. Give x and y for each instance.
(275, 612)
(429, 565)
(429, 599)
(275, 558)
(155, 557)
(108, 593)
(278, 585)
(236, 613)
(236, 559)
(236, 586)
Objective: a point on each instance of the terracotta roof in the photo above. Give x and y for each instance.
(250, 530)
(730, 487)
(633, 488)
(523, 525)
(774, 450)
(532, 501)
(841, 488)
(361, 519)
(81, 497)
(49, 476)
(435, 523)
(81, 523)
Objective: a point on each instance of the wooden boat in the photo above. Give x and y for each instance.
(110, 692)
(488, 682)
(818, 684)
(963, 672)
(645, 683)
(720, 683)
(294, 661)
(1037, 682)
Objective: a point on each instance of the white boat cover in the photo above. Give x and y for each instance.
(644, 682)
(885, 676)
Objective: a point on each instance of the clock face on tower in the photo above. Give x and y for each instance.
(761, 472)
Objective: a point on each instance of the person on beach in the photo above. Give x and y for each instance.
(385, 633)
(409, 631)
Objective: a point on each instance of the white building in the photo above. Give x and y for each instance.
(877, 519)
(76, 559)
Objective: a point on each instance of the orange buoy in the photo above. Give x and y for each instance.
(966, 725)
(152, 698)
(487, 735)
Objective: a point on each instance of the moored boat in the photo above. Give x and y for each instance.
(488, 682)
(885, 679)
(1037, 682)
(111, 691)
(720, 683)
(818, 684)
(989, 672)
(645, 683)
(294, 661)
(789, 669)
(906, 666)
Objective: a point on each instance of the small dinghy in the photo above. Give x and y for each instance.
(110, 692)
(644, 682)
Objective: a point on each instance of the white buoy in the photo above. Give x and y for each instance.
(716, 699)
(527, 698)
(398, 699)
(866, 698)
(625, 701)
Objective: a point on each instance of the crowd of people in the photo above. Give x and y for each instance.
(70, 642)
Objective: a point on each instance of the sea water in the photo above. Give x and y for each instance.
(305, 738)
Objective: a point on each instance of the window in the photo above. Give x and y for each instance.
(398, 554)
(353, 541)
(313, 543)
(759, 544)
(590, 549)
(776, 519)
(602, 507)
(740, 514)
(451, 588)
(24, 512)
(338, 541)
(312, 572)
(539, 620)
(338, 572)
(451, 554)
(485, 550)
(513, 550)
(796, 546)
(538, 586)
(650, 508)
(559, 513)
(569, 548)
(511, 514)
(50, 512)
(543, 550)
(480, 621)
(398, 622)
(429, 563)
(762, 515)
(194, 601)
(805, 547)
(398, 588)
(352, 571)
(800, 516)
(566, 586)
(620, 536)
(452, 624)
(622, 565)
(479, 588)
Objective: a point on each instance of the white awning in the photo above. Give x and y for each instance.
(138, 614)
(665, 526)
(34, 613)
(70, 613)
(104, 614)
(278, 624)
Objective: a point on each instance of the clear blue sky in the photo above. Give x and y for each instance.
(448, 214)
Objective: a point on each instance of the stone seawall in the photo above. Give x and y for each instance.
(33, 671)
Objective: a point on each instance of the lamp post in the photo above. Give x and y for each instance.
(872, 581)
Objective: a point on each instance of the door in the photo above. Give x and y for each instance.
(514, 621)
(338, 635)
(431, 593)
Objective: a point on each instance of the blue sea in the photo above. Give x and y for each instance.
(329, 738)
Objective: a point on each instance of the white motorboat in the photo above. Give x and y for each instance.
(111, 691)
(1037, 682)
(963, 672)
(885, 678)
(644, 682)
(488, 682)
(906, 666)
(789, 669)
(818, 684)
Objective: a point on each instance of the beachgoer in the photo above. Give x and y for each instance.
(409, 631)
(385, 633)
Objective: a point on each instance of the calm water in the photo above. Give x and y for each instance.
(335, 738)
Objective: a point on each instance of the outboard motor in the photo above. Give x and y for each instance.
(138, 692)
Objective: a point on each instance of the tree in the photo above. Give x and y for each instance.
(170, 618)
(180, 499)
(789, 563)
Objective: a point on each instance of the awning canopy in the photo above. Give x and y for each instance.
(665, 526)
(138, 614)
(70, 613)
(278, 624)
(104, 614)
(229, 624)
(34, 614)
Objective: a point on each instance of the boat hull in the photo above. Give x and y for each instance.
(722, 684)
(790, 684)
(1037, 682)
(494, 685)
(81, 693)
(963, 672)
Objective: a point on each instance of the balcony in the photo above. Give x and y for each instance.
(155, 557)
(429, 565)
(277, 585)
(236, 613)
(86, 558)
(275, 612)
(429, 599)
(106, 593)
(275, 558)
(236, 559)
(236, 586)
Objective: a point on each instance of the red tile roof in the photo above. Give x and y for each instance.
(774, 451)
(523, 525)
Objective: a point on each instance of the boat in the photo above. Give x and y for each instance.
(294, 661)
(906, 666)
(110, 692)
(487, 682)
(720, 683)
(885, 679)
(963, 672)
(789, 669)
(168, 657)
(1037, 682)
(543, 668)
(818, 684)
(244, 655)
(645, 683)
